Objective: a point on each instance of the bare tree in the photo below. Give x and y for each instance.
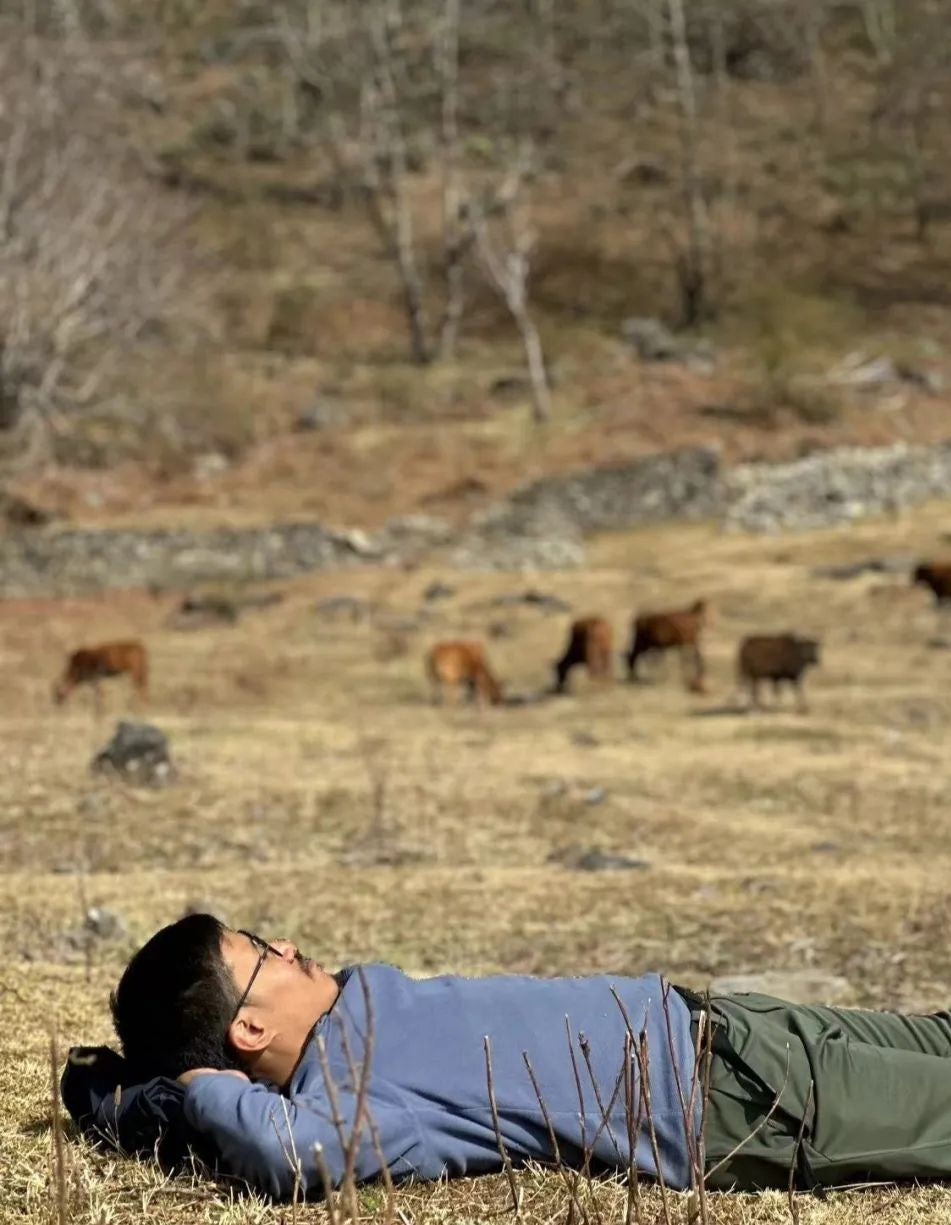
(911, 108)
(881, 27)
(88, 245)
(504, 257)
(812, 20)
(385, 167)
(455, 240)
(353, 58)
(694, 258)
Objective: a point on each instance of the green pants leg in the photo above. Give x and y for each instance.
(869, 1091)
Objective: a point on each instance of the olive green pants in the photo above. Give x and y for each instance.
(851, 1095)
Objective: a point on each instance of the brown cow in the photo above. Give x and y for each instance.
(462, 663)
(664, 631)
(776, 658)
(937, 576)
(90, 665)
(590, 642)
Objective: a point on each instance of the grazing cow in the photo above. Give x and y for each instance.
(665, 631)
(937, 576)
(590, 642)
(462, 663)
(90, 665)
(776, 658)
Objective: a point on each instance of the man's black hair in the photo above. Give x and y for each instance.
(175, 1000)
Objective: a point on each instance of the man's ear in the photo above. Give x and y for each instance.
(247, 1035)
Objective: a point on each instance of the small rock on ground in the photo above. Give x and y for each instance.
(137, 752)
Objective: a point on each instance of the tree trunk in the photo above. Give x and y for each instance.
(448, 57)
(535, 359)
(695, 289)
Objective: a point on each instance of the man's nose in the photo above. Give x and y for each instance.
(286, 948)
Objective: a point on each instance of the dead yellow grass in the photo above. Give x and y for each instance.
(321, 797)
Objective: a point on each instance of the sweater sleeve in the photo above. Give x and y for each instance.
(256, 1133)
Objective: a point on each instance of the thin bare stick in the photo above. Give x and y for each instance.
(631, 1209)
(643, 1062)
(553, 1139)
(605, 1124)
(793, 1206)
(327, 1179)
(362, 1085)
(332, 1096)
(640, 1046)
(291, 1157)
(493, 1106)
(758, 1128)
(59, 1149)
(586, 1148)
(688, 1109)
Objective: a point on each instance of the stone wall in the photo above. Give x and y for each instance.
(63, 562)
(835, 487)
(541, 526)
(543, 523)
(684, 484)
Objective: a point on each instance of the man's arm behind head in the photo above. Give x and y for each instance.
(135, 1119)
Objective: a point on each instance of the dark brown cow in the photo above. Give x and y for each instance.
(90, 665)
(462, 663)
(937, 576)
(679, 629)
(590, 642)
(776, 658)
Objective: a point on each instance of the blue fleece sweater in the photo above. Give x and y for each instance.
(427, 1103)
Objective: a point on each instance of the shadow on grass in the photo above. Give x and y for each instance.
(726, 710)
(43, 1124)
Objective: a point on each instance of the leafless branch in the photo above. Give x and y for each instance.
(553, 1141)
(500, 1142)
(57, 1139)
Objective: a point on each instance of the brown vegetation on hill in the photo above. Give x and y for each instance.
(345, 229)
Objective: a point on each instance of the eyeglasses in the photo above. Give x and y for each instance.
(265, 949)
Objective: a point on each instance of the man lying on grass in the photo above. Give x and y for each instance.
(289, 1078)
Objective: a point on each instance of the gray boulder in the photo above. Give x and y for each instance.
(138, 753)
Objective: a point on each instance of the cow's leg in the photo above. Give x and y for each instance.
(599, 664)
(691, 665)
(801, 704)
(754, 693)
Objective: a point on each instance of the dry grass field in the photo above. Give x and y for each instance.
(322, 797)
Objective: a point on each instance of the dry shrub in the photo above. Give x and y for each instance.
(94, 257)
(790, 337)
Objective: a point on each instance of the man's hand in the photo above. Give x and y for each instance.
(186, 1078)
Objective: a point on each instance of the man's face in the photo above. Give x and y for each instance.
(289, 993)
